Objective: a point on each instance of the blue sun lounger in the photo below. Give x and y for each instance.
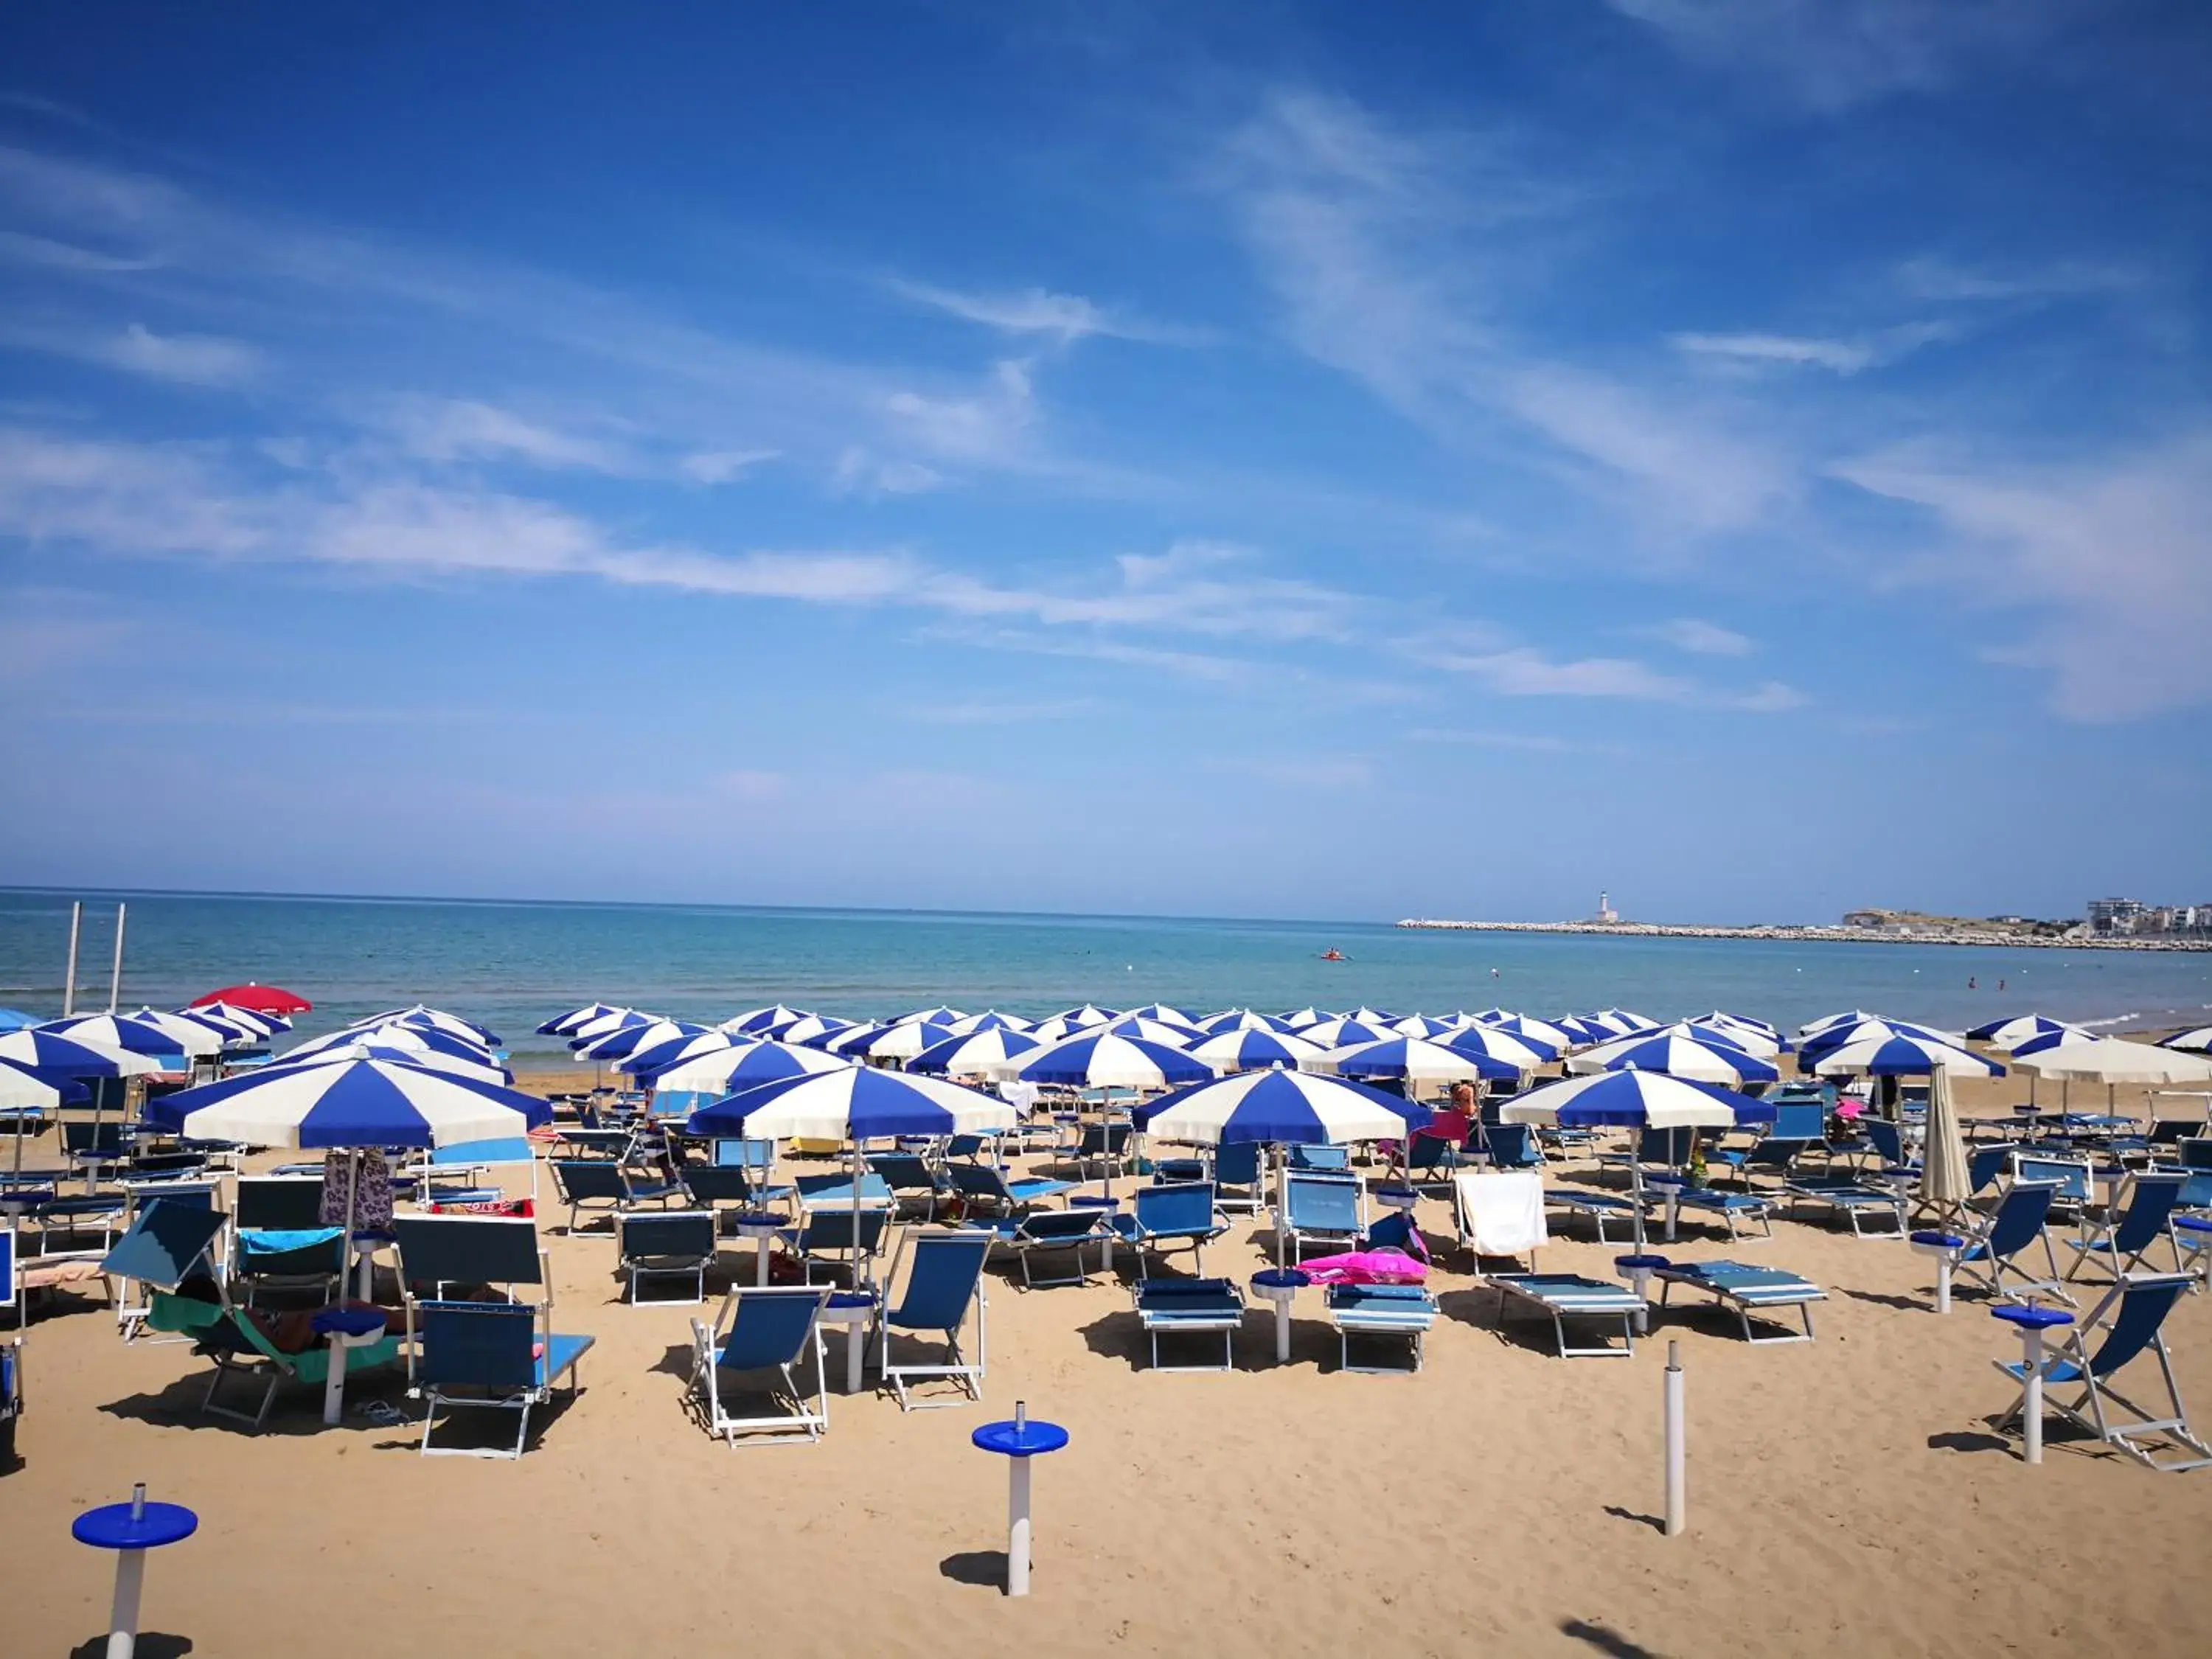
(1732, 1207)
(1321, 1209)
(486, 1356)
(1748, 1290)
(1048, 1232)
(1841, 1195)
(944, 1279)
(2020, 1220)
(985, 1191)
(2129, 1319)
(761, 1330)
(666, 1245)
(1599, 1208)
(1191, 1306)
(1181, 1212)
(2142, 1213)
(1571, 1295)
(1397, 1310)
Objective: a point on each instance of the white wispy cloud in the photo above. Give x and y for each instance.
(721, 466)
(444, 429)
(1701, 638)
(1531, 743)
(998, 711)
(1063, 317)
(2111, 556)
(203, 360)
(18, 248)
(1842, 356)
(1525, 671)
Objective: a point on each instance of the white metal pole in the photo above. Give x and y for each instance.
(1677, 1446)
(1943, 1282)
(69, 980)
(130, 1580)
(1018, 1512)
(115, 981)
(2031, 1408)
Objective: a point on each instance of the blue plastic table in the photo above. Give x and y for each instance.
(1018, 1440)
(130, 1529)
(1280, 1285)
(2033, 1321)
(1945, 1248)
(1640, 1266)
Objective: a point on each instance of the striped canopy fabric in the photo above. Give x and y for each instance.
(1529, 1030)
(599, 1025)
(1241, 1019)
(1422, 1025)
(940, 1015)
(412, 1038)
(990, 1052)
(360, 1103)
(1524, 1052)
(1824, 1043)
(371, 1045)
(850, 1042)
(1415, 1060)
(24, 1090)
(2006, 1035)
(625, 1041)
(59, 1054)
(197, 1035)
(730, 1069)
(858, 1103)
(2197, 1042)
(1636, 1099)
(646, 1061)
(1100, 1060)
(1153, 1031)
(1254, 1050)
(1298, 1019)
(1343, 1031)
(903, 1042)
(132, 1036)
(807, 1028)
(760, 1019)
(1678, 1056)
(435, 1020)
(1292, 1108)
(565, 1025)
(247, 1024)
(990, 1020)
(1899, 1053)
(1163, 1013)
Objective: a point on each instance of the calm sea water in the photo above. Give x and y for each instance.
(511, 965)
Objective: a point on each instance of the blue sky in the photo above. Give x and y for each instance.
(1753, 457)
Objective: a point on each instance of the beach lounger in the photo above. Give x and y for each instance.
(985, 1191)
(458, 1173)
(1102, 1146)
(1191, 1307)
(2129, 1319)
(1049, 1232)
(1733, 1208)
(171, 1238)
(1510, 1145)
(1599, 1208)
(227, 1335)
(1656, 1149)
(1499, 1214)
(834, 1191)
(2073, 1181)
(842, 1239)
(1991, 1259)
(717, 1185)
(1237, 1172)
(1749, 1290)
(283, 1203)
(1841, 1195)
(944, 1279)
(1571, 1295)
(2139, 1217)
(1321, 1209)
(909, 1179)
(1179, 1212)
(608, 1186)
(476, 1253)
(288, 1259)
(1987, 1164)
(1393, 1310)
(765, 1330)
(666, 1245)
(486, 1356)
(1431, 1160)
(1799, 1128)
(1319, 1160)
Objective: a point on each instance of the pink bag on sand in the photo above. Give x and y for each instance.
(1366, 1267)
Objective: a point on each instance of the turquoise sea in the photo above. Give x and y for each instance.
(511, 965)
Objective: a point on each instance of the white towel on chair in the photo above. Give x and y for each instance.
(1502, 1214)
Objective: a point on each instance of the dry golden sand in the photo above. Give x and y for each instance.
(1847, 1496)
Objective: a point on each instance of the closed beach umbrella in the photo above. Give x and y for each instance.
(2007, 1035)
(985, 1052)
(1153, 1030)
(731, 1069)
(1524, 1053)
(360, 1103)
(1255, 1049)
(1283, 1109)
(1417, 1063)
(2112, 1061)
(856, 1103)
(659, 1056)
(1099, 1060)
(622, 1042)
(121, 1031)
(1636, 1099)
(1944, 1183)
(1678, 1056)
(262, 998)
(1898, 1054)
(58, 1054)
(2197, 1042)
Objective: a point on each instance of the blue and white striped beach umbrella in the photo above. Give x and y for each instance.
(15, 1019)
(427, 1018)
(1823, 1043)
(2197, 1042)
(1343, 1032)
(361, 1103)
(1287, 1108)
(2007, 1035)
(1153, 1031)
(1423, 1025)
(993, 1051)
(58, 1054)
(1636, 1100)
(1724, 1020)
(1163, 1013)
(940, 1015)
(412, 1038)
(1524, 1053)
(810, 1028)
(135, 1036)
(731, 1069)
(565, 1025)
(236, 1023)
(1099, 1060)
(643, 1062)
(1413, 1059)
(1374, 1017)
(1812, 1028)
(850, 1041)
(22, 1090)
(753, 1021)
(376, 1045)
(1255, 1049)
(990, 1020)
(599, 1025)
(1899, 1053)
(1541, 1032)
(1677, 1055)
(197, 1033)
(1580, 1029)
(1088, 1015)
(1241, 1019)
(625, 1041)
(1298, 1019)
(902, 1043)
(858, 1103)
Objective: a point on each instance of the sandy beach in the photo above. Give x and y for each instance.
(1847, 1496)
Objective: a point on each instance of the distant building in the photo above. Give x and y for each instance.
(2010, 921)
(1606, 914)
(1865, 918)
(2115, 916)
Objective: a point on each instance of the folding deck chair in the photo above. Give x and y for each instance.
(1839, 1194)
(760, 1329)
(1500, 1214)
(944, 1279)
(1048, 1232)
(1571, 1295)
(1178, 1213)
(1395, 1310)
(1321, 1209)
(1191, 1307)
(2129, 1319)
(666, 1245)
(1748, 1290)
(486, 1356)
(985, 1191)
(2140, 1215)
(608, 1186)
(1991, 1257)
(146, 1254)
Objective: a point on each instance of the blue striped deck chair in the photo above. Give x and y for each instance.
(1327, 1210)
(1733, 1208)
(608, 1186)
(827, 1191)
(1405, 1311)
(943, 1280)
(486, 1356)
(985, 1190)
(1746, 1289)
(1511, 1145)
(2129, 1319)
(763, 1330)
(844, 1240)
(2072, 1180)
(1799, 1128)
(1986, 1164)
(909, 1178)
(288, 1259)
(2139, 1217)
(1886, 1141)
(666, 1245)
(741, 1153)
(1840, 1195)
(1054, 1232)
(1102, 1146)
(1431, 1160)
(1571, 1295)
(1598, 1207)
(1656, 1149)
(1327, 1160)
(279, 1201)
(1188, 1307)
(1990, 1258)
(476, 1252)
(1179, 1213)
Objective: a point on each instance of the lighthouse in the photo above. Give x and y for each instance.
(1605, 911)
